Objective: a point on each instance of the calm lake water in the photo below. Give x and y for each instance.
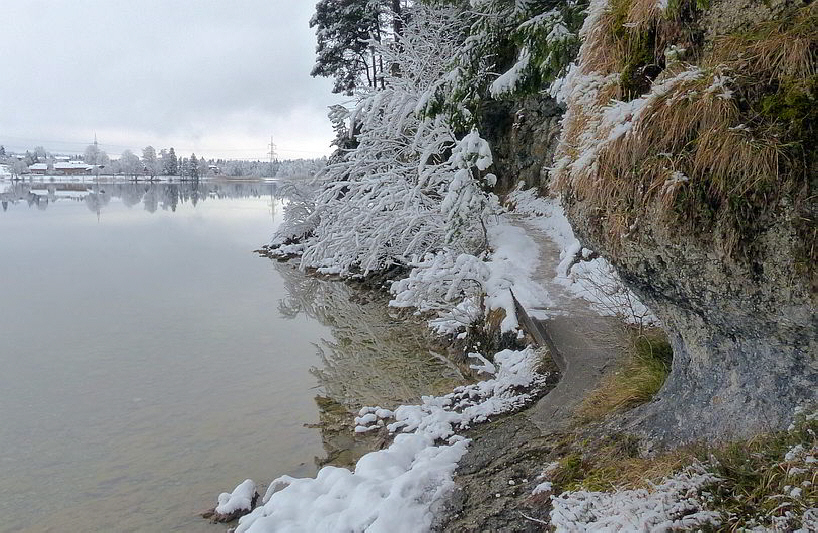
(145, 363)
(150, 360)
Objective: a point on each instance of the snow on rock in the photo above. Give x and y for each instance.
(484, 367)
(396, 489)
(285, 251)
(241, 499)
(231, 505)
(675, 504)
(401, 487)
(515, 382)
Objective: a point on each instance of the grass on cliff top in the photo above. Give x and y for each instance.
(719, 153)
(647, 364)
(770, 481)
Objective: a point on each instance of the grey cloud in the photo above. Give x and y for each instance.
(190, 72)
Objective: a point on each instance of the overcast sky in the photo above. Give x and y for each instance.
(209, 76)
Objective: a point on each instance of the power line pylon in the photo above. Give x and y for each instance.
(272, 152)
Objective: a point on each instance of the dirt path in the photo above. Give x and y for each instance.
(582, 343)
(496, 477)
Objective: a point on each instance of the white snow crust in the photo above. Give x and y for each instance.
(675, 504)
(594, 280)
(241, 499)
(401, 487)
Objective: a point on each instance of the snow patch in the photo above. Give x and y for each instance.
(594, 280)
(401, 487)
(241, 499)
(675, 504)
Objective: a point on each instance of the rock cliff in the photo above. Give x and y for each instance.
(687, 158)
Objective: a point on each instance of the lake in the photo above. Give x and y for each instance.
(150, 360)
(138, 335)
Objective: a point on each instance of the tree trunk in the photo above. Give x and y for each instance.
(374, 69)
(397, 21)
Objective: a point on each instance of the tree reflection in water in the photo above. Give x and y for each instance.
(153, 195)
(374, 358)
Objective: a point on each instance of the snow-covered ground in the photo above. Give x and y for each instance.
(402, 487)
(593, 279)
(676, 504)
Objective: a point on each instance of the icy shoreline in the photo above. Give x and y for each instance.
(404, 485)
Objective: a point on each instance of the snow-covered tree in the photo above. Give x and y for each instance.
(170, 164)
(94, 155)
(345, 30)
(508, 47)
(18, 167)
(204, 167)
(413, 184)
(150, 161)
(129, 164)
(193, 167)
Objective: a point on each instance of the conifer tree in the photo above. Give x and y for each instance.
(193, 167)
(344, 30)
(171, 164)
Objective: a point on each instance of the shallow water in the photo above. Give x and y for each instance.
(144, 362)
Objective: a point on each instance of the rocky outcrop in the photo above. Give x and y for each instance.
(744, 333)
(523, 134)
(708, 211)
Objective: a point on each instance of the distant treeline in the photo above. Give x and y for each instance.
(163, 163)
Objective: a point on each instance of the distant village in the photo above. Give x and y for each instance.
(152, 164)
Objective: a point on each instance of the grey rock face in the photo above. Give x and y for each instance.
(523, 136)
(744, 333)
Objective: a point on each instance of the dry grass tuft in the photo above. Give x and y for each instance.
(649, 357)
(776, 49)
(715, 148)
(769, 482)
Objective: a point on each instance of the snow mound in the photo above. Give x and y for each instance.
(241, 499)
(514, 384)
(401, 487)
(393, 490)
(675, 504)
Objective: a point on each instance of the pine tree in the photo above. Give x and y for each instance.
(2, 152)
(171, 164)
(193, 167)
(343, 29)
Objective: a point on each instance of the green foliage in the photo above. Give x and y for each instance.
(763, 479)
(639, 47)
(633, 76)
(534, 37)
(795, 107)
(571, 470)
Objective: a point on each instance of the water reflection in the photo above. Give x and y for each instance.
(374, 358)
(152, 195)
(144, 366)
